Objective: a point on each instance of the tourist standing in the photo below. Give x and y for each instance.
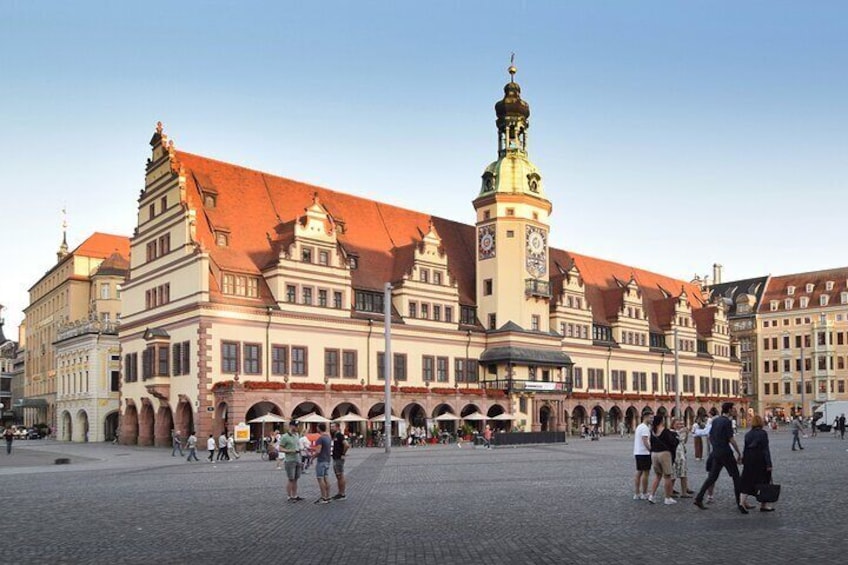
(722, 440)
(340, 447)
(323, 445)
(642, 453)
(9, 436)
(757, 462)
(663, 447)
(176, 443)
(841, 426)
(681, 465)
(797, 429)
(305, 452)
(487, 436)
(191, 443)
(231, 447)
(698, 435)
(289, 446)
(210, 446)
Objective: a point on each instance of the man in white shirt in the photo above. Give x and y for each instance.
(642, 453)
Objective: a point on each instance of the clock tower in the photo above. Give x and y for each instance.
(512, 226)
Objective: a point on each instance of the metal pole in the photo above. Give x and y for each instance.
(387, 367)
(802, 377)
(676, 374)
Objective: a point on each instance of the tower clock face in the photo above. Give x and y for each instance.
(537, 247)
(486, 242)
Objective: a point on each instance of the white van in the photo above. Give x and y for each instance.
(828, 412)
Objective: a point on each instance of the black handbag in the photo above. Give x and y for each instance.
(768, 493)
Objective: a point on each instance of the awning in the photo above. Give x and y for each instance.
(30, 403)
(526, 356)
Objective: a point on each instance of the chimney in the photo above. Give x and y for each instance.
(716, 273)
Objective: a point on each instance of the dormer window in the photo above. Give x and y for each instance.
(828, 286)
(210, 201)
(810, 287)
(788, 303)
(222, 239)
(790, 290)
(773, 305)
(353, 263)
(824, 299)
(804, 301)
(843, 298)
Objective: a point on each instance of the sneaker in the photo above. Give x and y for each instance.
(700, 504)
(643, 496)
(637, 497)
(710, 500)
(669, 501)
(339, 497)
(651, 499)
(297, 499)
(324, 501)
(289, 499)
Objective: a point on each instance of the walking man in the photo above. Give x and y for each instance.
(322, 463)
(841, 426)
(290, 448)
(210, 445)
(797, 428)
(340, 447)
(642, 453)
(191, 443)
(721, 439)
(9, 436)
(177, 443)
(222, 447)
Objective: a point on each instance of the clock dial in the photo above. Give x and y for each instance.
(536, 244)
(486, 242)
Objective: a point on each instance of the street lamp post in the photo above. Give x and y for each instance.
(802, 376)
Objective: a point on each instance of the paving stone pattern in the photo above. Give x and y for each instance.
(431, 505)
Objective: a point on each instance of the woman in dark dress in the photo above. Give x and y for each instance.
(756, 459)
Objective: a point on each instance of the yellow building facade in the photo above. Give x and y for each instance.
(250, 293)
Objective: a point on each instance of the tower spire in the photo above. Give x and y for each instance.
(63, 249)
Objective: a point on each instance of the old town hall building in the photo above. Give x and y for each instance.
(250, 293)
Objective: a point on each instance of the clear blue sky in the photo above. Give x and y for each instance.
(671, 135)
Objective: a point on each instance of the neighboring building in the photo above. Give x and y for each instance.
(88, 364)
(250, 293)
(8, 354)
(743, 299)
(61, 297)
(803, 341)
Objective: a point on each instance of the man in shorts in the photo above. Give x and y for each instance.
(290, 448)
(642, 453)
(322, 463)
(340, 447)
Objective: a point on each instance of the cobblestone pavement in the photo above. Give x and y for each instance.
(432, 505)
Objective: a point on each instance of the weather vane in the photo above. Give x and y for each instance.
(512, 69)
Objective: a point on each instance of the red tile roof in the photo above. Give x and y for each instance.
(776, 289)
(102, 245)
(259, 209)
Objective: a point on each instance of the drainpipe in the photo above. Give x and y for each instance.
(368, 351)
(268, 346)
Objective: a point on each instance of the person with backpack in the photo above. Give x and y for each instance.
(663, 448)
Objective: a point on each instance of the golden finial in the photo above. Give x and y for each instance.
(512, 70)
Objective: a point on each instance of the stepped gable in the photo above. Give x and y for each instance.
(605, 294)
(777, 286)
(251, 205)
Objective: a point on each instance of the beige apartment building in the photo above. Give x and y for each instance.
(63, 296)
(803, 341)
(250, 293)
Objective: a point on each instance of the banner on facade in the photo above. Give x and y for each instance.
(542, 385)
(241, 433)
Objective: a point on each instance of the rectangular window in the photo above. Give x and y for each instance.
(306, 255)
(493, 321)
(252, 359)
(337, 300)
(400, 367)
(459, 370)
(349, 364)
(471, 370)
(381, 366)
(534, 322)
(437, 277)
(165, 244)
(427, 367)
(442, 369)
(437, 312)
(291, 293)
(413, 310)
(331, 363)
(163, 361)
(279, 360)
(323, 258)
(252, 287)
(487, 287)
(298, 361)
(229, 357)
(449, 314)
(307, 295)
(322, 298)
(115, 381)
(425, 311)
(368, 301)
